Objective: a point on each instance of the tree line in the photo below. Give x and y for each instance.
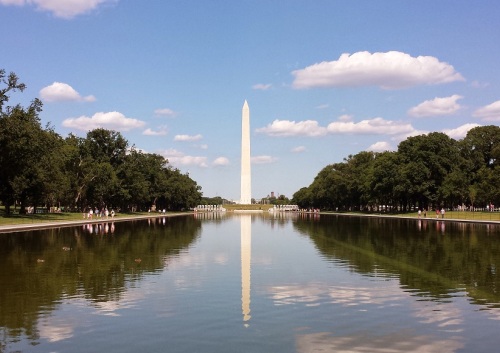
(426, 171)
(38, 167)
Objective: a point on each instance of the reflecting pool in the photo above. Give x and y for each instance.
(216, 282)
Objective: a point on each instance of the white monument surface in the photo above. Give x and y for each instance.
(246, 177)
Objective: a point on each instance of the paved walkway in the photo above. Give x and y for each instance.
(22, 227)
(445, 219)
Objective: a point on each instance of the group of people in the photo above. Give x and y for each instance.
(438, 212)
(104, 212)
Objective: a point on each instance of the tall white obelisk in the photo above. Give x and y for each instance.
(246, 177)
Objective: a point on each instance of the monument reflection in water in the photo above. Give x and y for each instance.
(246, 259)
(252, 283)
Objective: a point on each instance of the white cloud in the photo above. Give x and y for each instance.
(345, 117)
(376, 126)
(460, 132)
(389, 70)
(404, 136)
(61, 8)
(188, 137)
(178, 158)
(436, 106)
(111, 120)
(58, 92)
(298, 149)
(322, 106)
(291, 128)
(263, 159)
(165, 112)
(380, 146)
(478, 84)
(220, 161)
(311, 128)
(12, 2)
(490, 112)
(150, 132)
(262, 86)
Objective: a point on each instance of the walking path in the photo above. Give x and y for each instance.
(445, 219)
(22, 227)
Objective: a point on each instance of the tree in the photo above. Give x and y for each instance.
(24, 149)
(386, 183)
(481, 146)
(481, 150)
(11, 83)
(303, 198)
(142, 179)
(358, 175)
(181, 191)
(427, 160)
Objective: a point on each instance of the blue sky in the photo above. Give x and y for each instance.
(323, 79)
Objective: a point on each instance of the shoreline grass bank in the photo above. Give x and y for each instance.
(16, 223)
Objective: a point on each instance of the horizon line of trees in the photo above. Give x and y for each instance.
(38, 167)
(426, 171)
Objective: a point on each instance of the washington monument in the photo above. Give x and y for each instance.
(246, 176)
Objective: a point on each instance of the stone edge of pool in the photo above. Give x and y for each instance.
(11, 228)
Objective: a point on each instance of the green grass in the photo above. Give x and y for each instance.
(465, 215)
(231, 208)
(16, 218)
(462, 215)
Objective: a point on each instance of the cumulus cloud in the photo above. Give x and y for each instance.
(110, 120)
(490, 112)
(436, 106)
(345, 117)
(391, 70)
(402, 137)
(460, 132)
(59, 92)
(291, 128)
(375, 126)
(380, 146)
(298, 149)
(188, 137)
(179, 159)
(263, 159)
(165, 112)
(262, 86)
(220, 161)
(61, 8)
(345, 125)
(150, 132)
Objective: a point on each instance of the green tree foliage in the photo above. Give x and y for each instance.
(427, 160)
(26, 150)
(481, 148)
(426, 171)
(40, 168)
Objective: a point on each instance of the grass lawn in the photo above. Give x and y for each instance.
(479, 215)
(461, 215)
(16, 218)
(247, 207)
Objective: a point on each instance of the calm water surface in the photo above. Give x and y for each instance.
(252, 283)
